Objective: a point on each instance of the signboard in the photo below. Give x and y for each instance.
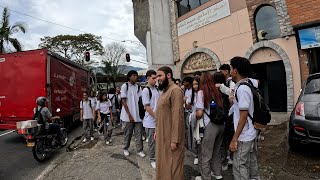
(309, 38)
(199, 62)
(207, 16)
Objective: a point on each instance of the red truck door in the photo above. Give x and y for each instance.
(22, 81)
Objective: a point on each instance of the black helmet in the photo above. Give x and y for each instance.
(41, 101)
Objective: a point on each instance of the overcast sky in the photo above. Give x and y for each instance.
(107, 18)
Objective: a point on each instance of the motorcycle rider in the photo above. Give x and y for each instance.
(52, 128)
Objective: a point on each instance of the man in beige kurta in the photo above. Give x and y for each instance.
(169, 129)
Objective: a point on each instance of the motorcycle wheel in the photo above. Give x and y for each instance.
(39, 152)
(64, 138)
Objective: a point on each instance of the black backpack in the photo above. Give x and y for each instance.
(217, 114)
(261, 115)
(142, 111)
(38, 116)
(89, 103)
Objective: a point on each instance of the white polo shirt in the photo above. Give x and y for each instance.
(87, 110)
(132, 95)
(104, 107)
(245, 102)
(199, 104)
(149, 121)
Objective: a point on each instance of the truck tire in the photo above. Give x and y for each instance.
(39, 152)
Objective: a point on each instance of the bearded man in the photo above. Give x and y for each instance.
(169, 128)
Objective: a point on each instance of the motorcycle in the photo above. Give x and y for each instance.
(43, 142)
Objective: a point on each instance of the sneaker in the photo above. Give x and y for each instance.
(147, 140)
(153, 165)
(107, 142)
(230, 162)
(143, 138)
(84, 140)
(216, 177)
(141, 154)
(225, 168)
(198, 178)
(195, 161)
(110, 140)
(92, 138)
(126, 152)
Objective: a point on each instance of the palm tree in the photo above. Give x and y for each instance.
(6, 32)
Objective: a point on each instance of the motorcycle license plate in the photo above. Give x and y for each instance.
(30, 144)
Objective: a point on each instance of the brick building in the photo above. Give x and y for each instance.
(306, 23)
(207, 33)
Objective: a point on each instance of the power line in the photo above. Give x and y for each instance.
(56, 23)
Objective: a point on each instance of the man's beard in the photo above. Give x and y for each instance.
(164, 84)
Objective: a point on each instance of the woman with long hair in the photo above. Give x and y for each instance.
(190, 104)
(210, 96)
(104, 108)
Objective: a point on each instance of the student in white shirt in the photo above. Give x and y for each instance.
(131, 121)
(243, 144)
(87, 114)
(210, 161)
(104, 108)
(113, 99)
(150, 105)
(191, 104)
(94, 101)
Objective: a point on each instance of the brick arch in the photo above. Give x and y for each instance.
(200, 50)
(286, 62)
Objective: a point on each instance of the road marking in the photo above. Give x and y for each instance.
(47, 171)
(7, 133)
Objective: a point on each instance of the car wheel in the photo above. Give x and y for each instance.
(295, 145)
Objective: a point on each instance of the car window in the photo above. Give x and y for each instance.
(313, 87)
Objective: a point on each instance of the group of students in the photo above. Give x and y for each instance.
(124, 104)
(217, 124)
(218, 129)
(100, 114)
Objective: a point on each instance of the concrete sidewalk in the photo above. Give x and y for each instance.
(95, 160)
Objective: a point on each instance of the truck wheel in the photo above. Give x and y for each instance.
(39, 151)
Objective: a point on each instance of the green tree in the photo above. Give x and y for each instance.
(114, 60)
(74, 47)
(6, 32)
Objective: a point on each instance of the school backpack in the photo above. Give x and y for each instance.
(142, 111)
(89, 104)
(38, 116)
(218, 115)
(261, 115)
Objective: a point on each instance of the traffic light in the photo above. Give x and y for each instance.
(87, 56)
(128, 57)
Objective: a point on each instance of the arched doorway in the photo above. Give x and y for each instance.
(199, 59)
(276, 73)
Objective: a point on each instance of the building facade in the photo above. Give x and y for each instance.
(306, 23)
(207, 33)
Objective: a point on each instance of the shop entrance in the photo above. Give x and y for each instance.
(272, 79)
(314, 60)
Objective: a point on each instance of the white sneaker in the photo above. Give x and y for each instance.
(84, 140)
(216, 177)
(195, 161)
(143, 138)
(107, 142)
(92, 138)
(153, 164)
(230, 162)
(126, 152)
(141, 154)
(147, 140)
(110, 140)
(198, 178)
(225, 168)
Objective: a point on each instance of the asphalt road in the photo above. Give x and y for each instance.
(16, 159)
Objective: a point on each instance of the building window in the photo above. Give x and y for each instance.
(184, 6)
(267, 23)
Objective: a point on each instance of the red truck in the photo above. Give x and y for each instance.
(24, 76)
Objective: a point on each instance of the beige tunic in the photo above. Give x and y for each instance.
(170, 129)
